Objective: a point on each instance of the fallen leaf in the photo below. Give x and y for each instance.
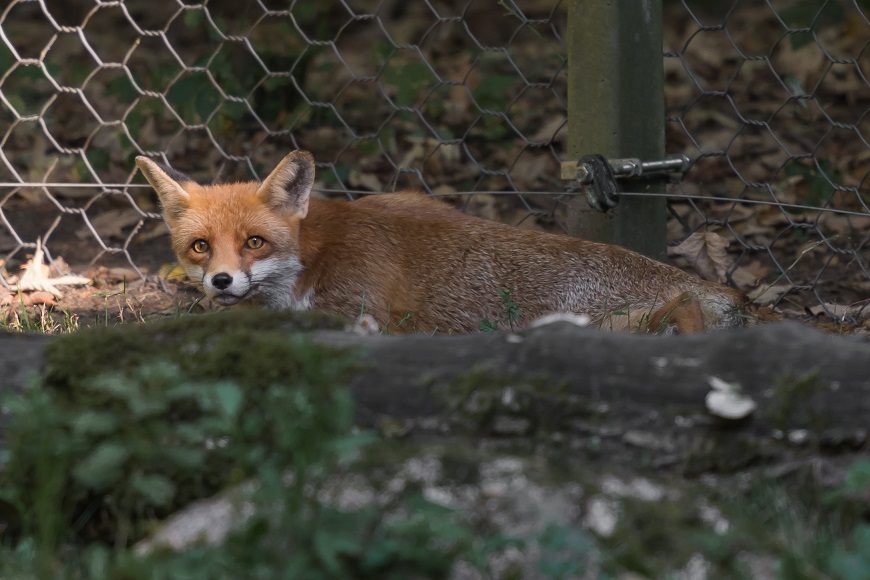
(35, 275)
(39, 297)
(845, 224)
(368, 181)
(173, 272)
(747, 277)
(103, 275)
(767, 294)
(706, 253)
(860, 311)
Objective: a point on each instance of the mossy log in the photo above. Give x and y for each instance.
(799, 377)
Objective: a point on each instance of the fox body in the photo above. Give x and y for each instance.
(413, 263)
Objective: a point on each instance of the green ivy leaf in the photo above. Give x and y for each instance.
(229, 399)
(103, 466)
(95, 423)
(157, 489)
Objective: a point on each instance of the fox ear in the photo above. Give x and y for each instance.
(167, 183)
(289, 185)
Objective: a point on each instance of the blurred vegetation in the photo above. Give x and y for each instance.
(93, 460)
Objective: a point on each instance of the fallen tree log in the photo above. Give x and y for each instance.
(579, 400)
(617, 367)
(799, 377)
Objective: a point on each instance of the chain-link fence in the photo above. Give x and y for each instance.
(463, 99)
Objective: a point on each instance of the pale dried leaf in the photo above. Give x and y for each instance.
(768, 294)
(859, 311)
(748, 276)
(706, 253)
(369, 181)
(35, 275)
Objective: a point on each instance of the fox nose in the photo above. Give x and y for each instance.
(222, 281)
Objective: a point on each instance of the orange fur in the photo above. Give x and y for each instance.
(414, 263)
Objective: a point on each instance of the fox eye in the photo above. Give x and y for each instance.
(255, 242)
(200, 246)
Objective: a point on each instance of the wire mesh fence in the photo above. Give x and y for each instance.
(448, 97)
(464, 99)
(770, 98)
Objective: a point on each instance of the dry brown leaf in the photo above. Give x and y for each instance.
(104, 275)
(369, 181)
(845, 224)
(705, 252)
(748, 276)
(40, 297)
(59, 267)
(860, 311)
(766, 294)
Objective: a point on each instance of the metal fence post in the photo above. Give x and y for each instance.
(616, 108)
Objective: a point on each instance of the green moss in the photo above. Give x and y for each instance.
(793, 406)
(131, 423)
(485, 401)
(254, 347)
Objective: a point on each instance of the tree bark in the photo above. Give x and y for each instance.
(652, 372)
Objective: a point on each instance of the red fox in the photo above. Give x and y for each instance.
(414, 263)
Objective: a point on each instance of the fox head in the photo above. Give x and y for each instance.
(239, 241)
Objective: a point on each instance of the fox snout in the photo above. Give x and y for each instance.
(222, 281)
(228, 288)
